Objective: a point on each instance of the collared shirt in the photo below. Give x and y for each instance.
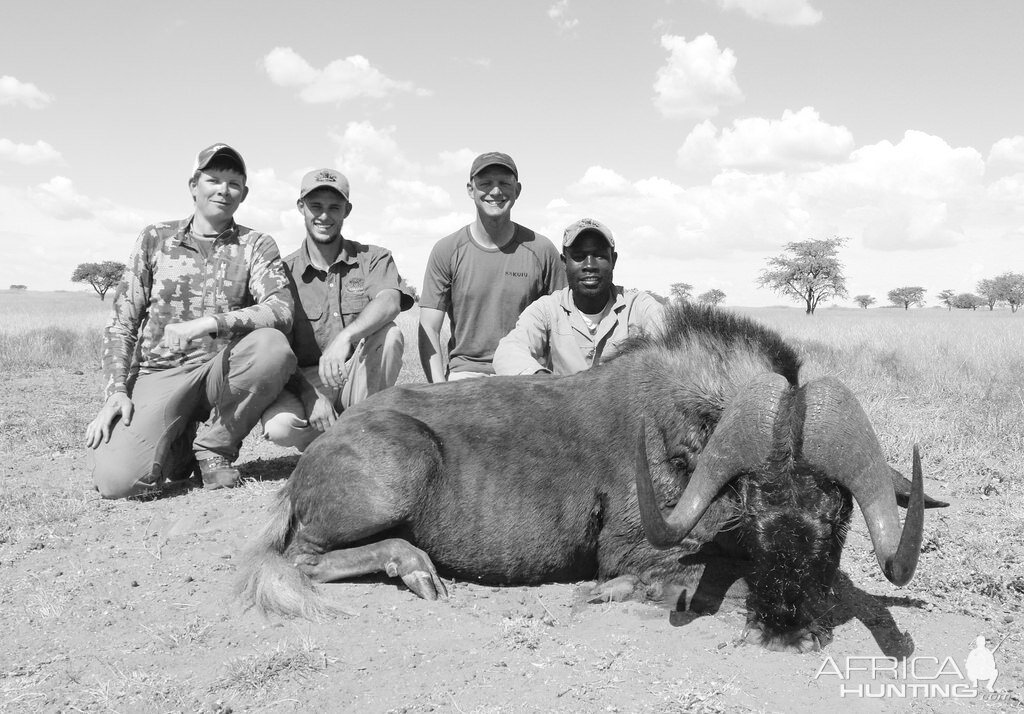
(328, 300)
(242, 284)
(551, 334)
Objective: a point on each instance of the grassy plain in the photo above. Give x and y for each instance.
(106, 604)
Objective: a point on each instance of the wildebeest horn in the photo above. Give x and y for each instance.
(741, 439)
(838, 439)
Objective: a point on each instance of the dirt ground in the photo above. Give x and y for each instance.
(127, 606)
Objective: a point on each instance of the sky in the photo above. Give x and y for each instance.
(707, 134)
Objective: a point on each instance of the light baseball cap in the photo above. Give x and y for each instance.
(204, 157)
(493, 158)
(324, 178)
(582, 226)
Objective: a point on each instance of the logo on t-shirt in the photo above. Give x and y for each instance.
(516, 274)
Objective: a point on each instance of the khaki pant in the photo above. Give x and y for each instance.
(373, 366)
(229, 393)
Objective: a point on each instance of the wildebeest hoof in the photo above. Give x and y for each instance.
(427, 585)
(614, 590)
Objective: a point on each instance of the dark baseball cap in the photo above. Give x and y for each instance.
(493, 158)
(324, 178)
(204, 157)
(582, 226)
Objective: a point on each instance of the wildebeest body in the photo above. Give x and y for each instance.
(533, 479)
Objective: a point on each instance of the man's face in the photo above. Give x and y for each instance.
(589, 263)
(324, 210)
(218, 193)
(494, 190)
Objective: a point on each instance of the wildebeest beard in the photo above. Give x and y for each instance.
(793, 525)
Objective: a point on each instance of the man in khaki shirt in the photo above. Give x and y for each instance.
(577, 327)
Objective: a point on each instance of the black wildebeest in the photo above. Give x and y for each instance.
(530, 479)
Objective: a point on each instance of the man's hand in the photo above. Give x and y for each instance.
(332, 361)
(323, 414)
(117, 405)
(178, 335)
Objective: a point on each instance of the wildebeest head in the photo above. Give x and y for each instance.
(794, 456)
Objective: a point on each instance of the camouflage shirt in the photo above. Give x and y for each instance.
(242, 284)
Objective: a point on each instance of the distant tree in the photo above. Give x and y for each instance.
(907, 296)
(19, 287)
(864, 300)
(968, 301)
(1009, 287)
(946, 297)
(988, 290)
(681, 292)
(808, 271)
(102, 276)
(711, 297)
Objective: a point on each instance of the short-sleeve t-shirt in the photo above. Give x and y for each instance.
(483, 290)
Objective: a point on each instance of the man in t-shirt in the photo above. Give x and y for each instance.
(483, 275)
(582, 325)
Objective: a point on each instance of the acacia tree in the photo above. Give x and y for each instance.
(711, 297)
(681, 292)
(1010, 287)
(989, 292)
(864, 300)
(102, 276)
(946, 297)
(809, 271)
(908, 296)
(968, 301)
(19, 287)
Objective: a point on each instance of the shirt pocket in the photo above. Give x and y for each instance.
(353, 302)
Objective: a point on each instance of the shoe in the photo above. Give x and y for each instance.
(218, 472)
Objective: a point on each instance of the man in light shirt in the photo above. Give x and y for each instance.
(583, 324)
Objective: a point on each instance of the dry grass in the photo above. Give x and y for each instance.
(255, 675)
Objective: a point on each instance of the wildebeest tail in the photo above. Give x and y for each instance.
(267, 581)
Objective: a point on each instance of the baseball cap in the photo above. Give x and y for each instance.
(204, 157)
(582, 226)
(493, 158)
(324, 178)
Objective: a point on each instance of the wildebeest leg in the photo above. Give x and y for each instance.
(394, 556)
(615, 590)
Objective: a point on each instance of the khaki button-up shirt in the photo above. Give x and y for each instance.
(552, 336)
(327, 301)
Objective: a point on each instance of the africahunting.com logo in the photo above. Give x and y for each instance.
(879, 677)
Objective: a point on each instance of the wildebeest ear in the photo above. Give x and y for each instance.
(902, 487)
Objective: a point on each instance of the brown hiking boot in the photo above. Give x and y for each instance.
(218, 472)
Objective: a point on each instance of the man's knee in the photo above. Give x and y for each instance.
(119, 479)
(271, 348)
(284, 429)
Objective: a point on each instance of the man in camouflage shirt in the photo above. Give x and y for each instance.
(197, 335)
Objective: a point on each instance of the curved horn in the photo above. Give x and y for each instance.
(742, 438)
(838, 439)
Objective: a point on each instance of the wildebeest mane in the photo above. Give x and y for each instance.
(724, 330)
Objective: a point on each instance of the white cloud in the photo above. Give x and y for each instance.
(37, 153)
(797, 142)
(1007, 153)
(455, 162)
(339, 81)
(780, 12)
(559, 12)
(368, 154)
(13, 91)
(697, 79)
(58, 198)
